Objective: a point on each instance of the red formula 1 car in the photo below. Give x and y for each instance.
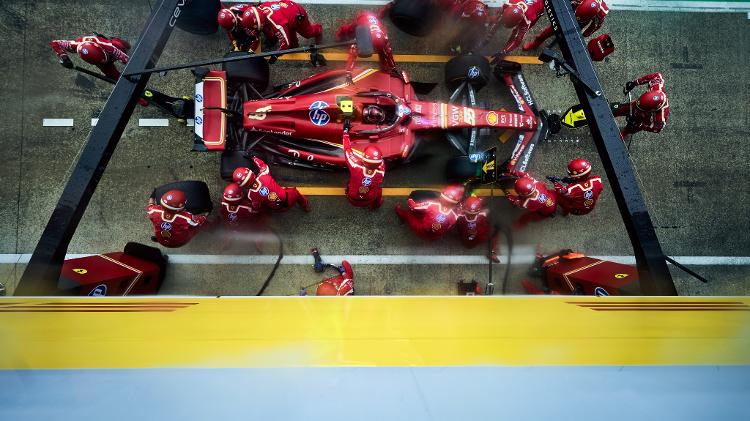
(301, 123)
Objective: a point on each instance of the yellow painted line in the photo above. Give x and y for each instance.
(388, 191)
(370, 331)
(402, 58)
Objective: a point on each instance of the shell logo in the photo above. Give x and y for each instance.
(492, 118)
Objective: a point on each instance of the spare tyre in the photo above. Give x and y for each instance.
(415, 17)
(460, 169)
(424, 195)
(198, 196)
(199, 17)
(254, 70)
(231, 160)
(473, 68)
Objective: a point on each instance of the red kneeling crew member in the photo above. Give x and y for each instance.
(173, 225)
(431, 219)
(242, 39)
(264, 192)
(474, 226)
(235, 208)
(650, 111)
(343, 284)
(519, 15)
(280, 20)
(590, 15)
(98, 50)
(580, 196)
(533, 196)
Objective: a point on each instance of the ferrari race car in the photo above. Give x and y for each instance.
(301, 123)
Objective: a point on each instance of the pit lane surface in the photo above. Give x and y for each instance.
(693, 175)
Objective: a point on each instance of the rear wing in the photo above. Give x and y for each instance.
(210, 110)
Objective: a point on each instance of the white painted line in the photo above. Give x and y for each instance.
(94, 121)
(191, 122)
(57, 122)
(153, 122)
(637, 5)
(306, 259)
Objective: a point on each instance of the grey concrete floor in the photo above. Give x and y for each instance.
(693, 175)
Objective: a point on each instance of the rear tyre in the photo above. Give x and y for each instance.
(473, 68)
(423, 195)
(460, 169)
(415, 17)
(231, 160)
(254, 71)
(198, 196)
(199, 17)
(149, 254)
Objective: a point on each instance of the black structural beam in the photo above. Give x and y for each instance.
(43, 271)
(654, 275)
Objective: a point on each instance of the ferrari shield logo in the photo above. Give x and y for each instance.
(436, 226)
(273, 196)
(363, 189)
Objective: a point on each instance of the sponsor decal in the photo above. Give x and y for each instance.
(456, 115)
(99, 291)
(471, 225)
(473, 72)
(198, 98)
(525, 90)
(275, 6)
(166, 226)
(436, 226)
(469, 116)
(232, 217)
(363, 189)
(198, 120)
(440, 218)
(548, 202)
(273, 196)
(600, 292)
(491, 118)
(84, 50)
(263, 191)
(588, 194)
(542, 198)
(516, 97)
(318, 115)
(621, 275)
(176, 13)
(259, 113)
(366, 181)
(418, 108)
(588, 202)
(527, 157)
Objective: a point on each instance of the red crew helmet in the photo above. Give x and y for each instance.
(472, 205)
(233, 192)
(173, 200)
(587, 10)
(652, 101)
(524, 186)
(243, 176)
(326, 288)
(372, 156)
(578, 168)
(92, 52)
(226, 19)
(253, 19)
(513, 14)
(452, 194)
(474, 10)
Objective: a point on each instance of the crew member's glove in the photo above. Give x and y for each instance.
(235, 46)
(497, 58)
(65, 61)
(629, 87)
(554, 179)
(317, 59)
(273, 59)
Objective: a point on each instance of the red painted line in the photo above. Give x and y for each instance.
(12, 310)
(657, 302)
(94, 307)
(129, 303)
(671, 309)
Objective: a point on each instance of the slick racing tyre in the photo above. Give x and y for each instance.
(254, 71)
(149, 254)
(460, 169)
(199, 17)
(198, 196)
(231, 160)
(415, 17)
(423, 195)
(473, 68)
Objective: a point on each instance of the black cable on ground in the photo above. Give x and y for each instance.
(508, 234)
(275, 266)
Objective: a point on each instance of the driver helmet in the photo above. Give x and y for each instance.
(243, 176)
(472, 205)
(233, 193)
(226, 19)
(372, 156)
(587, 10)
(252, 19)
(452, 194)
(373, 114)
(578, 168)
(652, 101)
(173, 200)
(92, 52)
(524, 186)
(513, 14)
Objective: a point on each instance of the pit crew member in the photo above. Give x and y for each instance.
(264, 192)
(590, 15)
(431, 219)
(380, 41)
(280, 21)
(582, 190)
(235, 208)
(173, 225)
(242, 39)
(98, 50)
(649, 112)
(474, 226)
(342, 284)
(366, 171)
(520, 15)
(533, 196)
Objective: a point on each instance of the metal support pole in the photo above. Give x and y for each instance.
(652, 268)
(42, 273)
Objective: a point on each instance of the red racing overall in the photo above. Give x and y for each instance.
(533, 10)
(430, 220)
(380, 41)
(579, 197)
(284, 19)
(266, 193)
(241, 38)
(173, 229)
(365, 184)
(539, 205)
(593, 24)
(236, 214)
(639, 119)
(343, 284)
(115, 49)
